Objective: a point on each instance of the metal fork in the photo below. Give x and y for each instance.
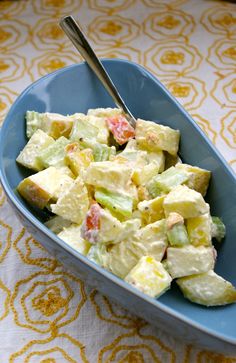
(74, 33)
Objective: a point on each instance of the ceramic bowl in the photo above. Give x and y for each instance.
(75, 89)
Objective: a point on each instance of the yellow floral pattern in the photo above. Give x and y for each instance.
(47, 314)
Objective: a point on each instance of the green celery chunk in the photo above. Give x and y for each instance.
(101, 152)
(178, 235)
(164, 182)
(217, 229)
(54, 154)
(33, 122)
(98, 254)
(83, 130)
(116, 202)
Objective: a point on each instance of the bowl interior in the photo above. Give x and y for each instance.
(75, 89)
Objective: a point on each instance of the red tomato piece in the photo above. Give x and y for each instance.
(120, 128)
(91, 226)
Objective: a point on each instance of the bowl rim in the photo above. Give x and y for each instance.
(39, 225)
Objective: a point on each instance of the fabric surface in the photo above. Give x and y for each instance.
(47, 315)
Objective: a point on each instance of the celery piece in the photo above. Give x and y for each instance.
(57, 224)
(116, 202)
(98, 254)
(83, 130)
(217, 229)
(164, 182)
(178, 235)
(101, 152)
(33, 122)
(54, 154)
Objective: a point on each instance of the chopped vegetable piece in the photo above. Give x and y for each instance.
(82, 129)
(189, 260)
(187, 202)
(73, 203)
(100, 226)
(38, 142)
(120, 128)
(123, 256)
(199, 230)
(33, 122)
(149, 276)
(54, 154)
(57, 125)
(176, 230)
(77, 159)
(152, 232)
(57, 223)
(42, 187)
(116, 202)
(155, 137)
(152, 210)
(217, 229)
(207, 289)
(198, 178)
(109, 175)
(164, 182)
(98, 254)
(71, 235)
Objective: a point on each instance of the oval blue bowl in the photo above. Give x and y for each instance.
(75, 89)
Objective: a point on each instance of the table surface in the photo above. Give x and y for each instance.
(47, 315)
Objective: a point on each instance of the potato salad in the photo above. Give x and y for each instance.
(122, 197)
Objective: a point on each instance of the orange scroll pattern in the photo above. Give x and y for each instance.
(47, 314)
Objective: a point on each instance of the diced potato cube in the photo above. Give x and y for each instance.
(57, 125)
(38, 189)
(73, 203)
(152, 210)
(198, 178)
(207, 289)
(134, 158)
(109, 175)
(149, 276)
(100, 226)
(123, 256)
(152, 232)
(54, 154)
(71, 235)
(142, 176)
(155, 137)
(66, 171)
(199, 230)
(77, 159)
(187, 202)
(100, 123)
(38, 142)
(158, 157)
(189, 260)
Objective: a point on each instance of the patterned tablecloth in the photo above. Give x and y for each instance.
(47, 315)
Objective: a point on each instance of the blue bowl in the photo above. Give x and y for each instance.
(75, 89)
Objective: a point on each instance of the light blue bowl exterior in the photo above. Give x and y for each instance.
(75, 89)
